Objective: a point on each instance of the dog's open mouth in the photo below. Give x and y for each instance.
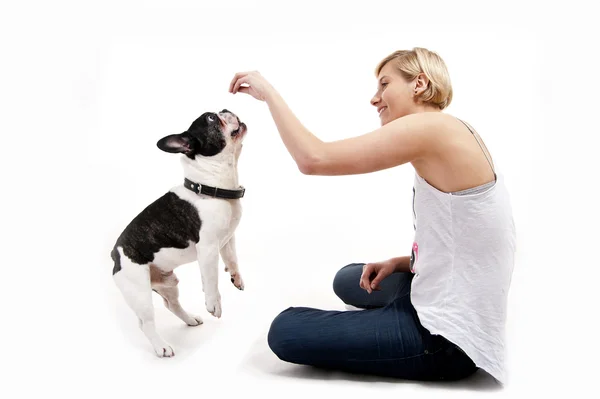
(239, 131)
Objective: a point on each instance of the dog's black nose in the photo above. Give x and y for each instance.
(225, 111)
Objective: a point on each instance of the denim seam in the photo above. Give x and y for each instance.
(395, 358)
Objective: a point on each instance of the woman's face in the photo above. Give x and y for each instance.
(395, 97)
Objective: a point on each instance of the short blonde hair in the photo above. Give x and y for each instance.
(411, 63)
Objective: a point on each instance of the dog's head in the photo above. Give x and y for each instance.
(209, 135)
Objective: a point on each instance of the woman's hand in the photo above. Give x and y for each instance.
(256, 85)
(374, 273)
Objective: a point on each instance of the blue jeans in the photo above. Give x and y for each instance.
(385, 339)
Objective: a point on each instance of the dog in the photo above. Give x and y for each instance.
(193, 221)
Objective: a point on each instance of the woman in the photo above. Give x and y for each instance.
(440, 312)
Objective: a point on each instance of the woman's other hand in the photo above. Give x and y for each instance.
(374, 273)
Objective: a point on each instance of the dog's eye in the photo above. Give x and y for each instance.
(210, 118)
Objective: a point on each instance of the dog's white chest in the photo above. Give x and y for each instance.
(219, 218)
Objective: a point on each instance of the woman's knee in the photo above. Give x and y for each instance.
(281, 334)
(347, 279)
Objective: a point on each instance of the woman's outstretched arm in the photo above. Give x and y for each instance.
(400, 141)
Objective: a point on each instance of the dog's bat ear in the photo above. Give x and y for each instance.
(175, 143)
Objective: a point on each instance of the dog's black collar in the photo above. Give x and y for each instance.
(213, 191)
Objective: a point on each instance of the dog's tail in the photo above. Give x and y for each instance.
(116, 257)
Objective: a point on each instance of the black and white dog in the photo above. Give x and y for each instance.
(192, 221)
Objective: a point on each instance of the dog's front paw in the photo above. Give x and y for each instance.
(163, 350)
(196, 321)
(213, 305)
(236, 279)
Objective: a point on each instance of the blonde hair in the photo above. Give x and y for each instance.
(411, 63)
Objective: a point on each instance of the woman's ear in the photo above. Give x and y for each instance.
(421, 82)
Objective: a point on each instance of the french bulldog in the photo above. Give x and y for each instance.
(193, 221)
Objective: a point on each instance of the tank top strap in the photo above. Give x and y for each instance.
(480, 146)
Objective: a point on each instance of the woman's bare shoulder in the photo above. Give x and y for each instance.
(458, 159)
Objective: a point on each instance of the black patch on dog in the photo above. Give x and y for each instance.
(204, 137)
(168, 222)
(114, 254)
(207, 130)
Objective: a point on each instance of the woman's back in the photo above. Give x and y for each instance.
(459, 160)
(463, 250)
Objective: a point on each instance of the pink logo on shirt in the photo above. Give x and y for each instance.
(414, 256)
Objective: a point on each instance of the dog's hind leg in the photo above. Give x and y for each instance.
(134, 282)
(165, 285)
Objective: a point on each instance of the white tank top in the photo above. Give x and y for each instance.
(462, 258)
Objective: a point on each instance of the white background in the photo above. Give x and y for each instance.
(89, 87)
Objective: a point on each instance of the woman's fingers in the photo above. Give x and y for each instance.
(375, 283)
(372, 275)
(362, 277)
(238, 76)
(257, 86)
(239, 82)
(365, 278)
(235, 79)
